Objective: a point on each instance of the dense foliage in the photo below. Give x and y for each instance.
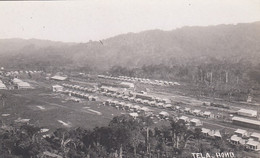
(124, 136)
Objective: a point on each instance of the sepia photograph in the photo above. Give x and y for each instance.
(130, 79)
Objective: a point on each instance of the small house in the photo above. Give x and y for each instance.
(255, 136)
(59, 78)
(205, 132)
(236, 140)
(184, 119)
(164, 114)
(187, 110)
(168, 106)
(57, 88)
(208, 114)
(217, 135)
(247, 112)
(195, 122)
(134, 114)
(241, 133)
(253, 145)
(197, 112)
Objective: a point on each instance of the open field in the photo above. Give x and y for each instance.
(46, 108)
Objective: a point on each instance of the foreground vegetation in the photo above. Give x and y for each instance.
(123, 137)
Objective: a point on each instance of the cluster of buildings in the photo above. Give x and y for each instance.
(193, 121)
(12, 73)
(142, 80)
(137, 103)
(244, 138)
(197, 112)
(127, 106)
(133, 97)
(76, 91)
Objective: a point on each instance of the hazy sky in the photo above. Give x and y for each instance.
(81, 21)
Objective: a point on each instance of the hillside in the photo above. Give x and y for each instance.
(187, 45)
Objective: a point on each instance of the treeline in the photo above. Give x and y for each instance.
(123, 137)
(214, 78)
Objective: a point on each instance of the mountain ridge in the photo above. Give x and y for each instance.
(196, 44)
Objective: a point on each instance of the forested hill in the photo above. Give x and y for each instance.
(187, 45)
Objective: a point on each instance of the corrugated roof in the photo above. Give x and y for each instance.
(240, 131)
(217, 134)
(248, 111)
(55, 86)
(196, 111)
(2, 86)
(133, 114)
(146, 109)
(195, 120)
(183, 118)
(246, 120)
(253, 143)
(23, 84)
(168, 105)
(56, 77)
(256, 135)
(127, 84)
(207, 113)
(164, 113)
(16, 80)
(205, 130)
(235, 138)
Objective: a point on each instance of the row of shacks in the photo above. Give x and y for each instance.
(12, 73)
(79, 88)
(135, 109)
(150, 100)
(76, 91)
(140, 98)
(142, 80)
(126, 106)
(193, 121)
(239, 138)
(200, 113)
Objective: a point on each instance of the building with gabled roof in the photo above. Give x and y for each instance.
(255, 136)
(184, 119)
(247, 112)
(241, 132)
(217, 134)
(236, 140)
(253, 145)
(255, 124)
(2, 85)
(59, 78)
(196, 122)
